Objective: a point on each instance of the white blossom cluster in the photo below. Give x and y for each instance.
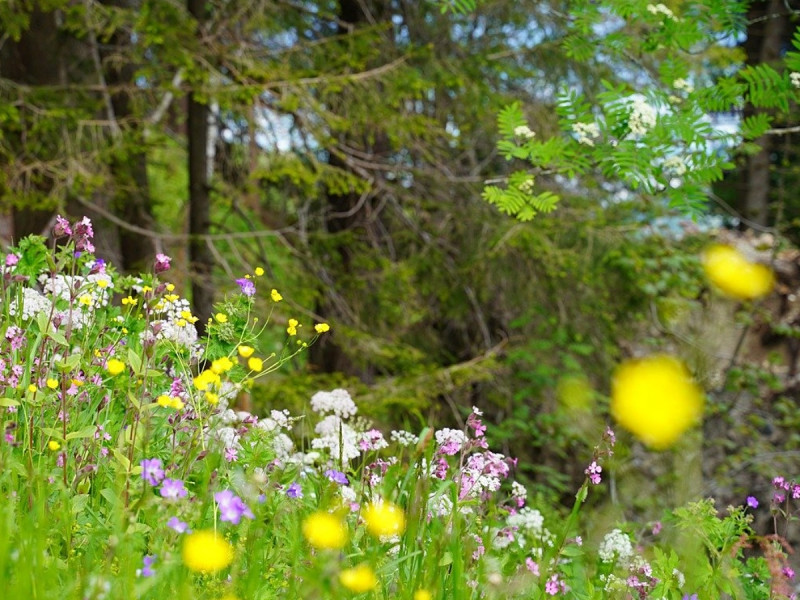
(175, 323)
(683, 84)
(518, 490)
(523, 131)
(330, 430)
(794, 77)
(33, 303)
(642, 117)
(453, 437)
(337, 402)
(676, 165)
(440, 505)
(529, 524)
(98, 287)
(587, 132)
(662, 9)
(404, 438)
(616, 546)
(527, 186)
(277, 420)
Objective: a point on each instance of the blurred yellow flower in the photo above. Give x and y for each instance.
(255, 364)
(325, 531)
(292, 328)
(322, 327)
(53, 445)
(170, 287)
(85, 299)
(170, 402)
(423, 595)
(275, 295)
(656, 399)
(359, 579)
(259, 271)
(32, 389)
(128, 300)
(221, 365)
(206, 379)
(384, 519)
(734, 275)
(114, 366)
(245, 351)
(221, 318)
(212, 398)
(52, 383)
(206, 552)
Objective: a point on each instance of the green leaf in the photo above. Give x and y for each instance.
(9, 402)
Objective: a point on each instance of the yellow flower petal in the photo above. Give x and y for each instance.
(245, 351)
(206, 552)
(325, 531)
(734, 275)
(656, 399)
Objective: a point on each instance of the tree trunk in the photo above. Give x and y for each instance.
(200, 257)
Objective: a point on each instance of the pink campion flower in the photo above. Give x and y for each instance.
(553, 584)
(593, 471)
(788, 572)
(83, 228)
(11, 260)
(61, 227)
(162, 263)
(657, 527)
(780, 483)
(778, 498)
(796, 491)
(532, 566)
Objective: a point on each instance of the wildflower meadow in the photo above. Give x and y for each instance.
(129, 472)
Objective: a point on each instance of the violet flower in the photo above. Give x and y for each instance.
(172, 489)
(152, 471)
(247, 286)
(231, 507)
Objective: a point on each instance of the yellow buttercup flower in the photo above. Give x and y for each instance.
(292, 328)
(115, 366)
(245, 351)
(221, 318)
(205, 379)
(32, 389)
(325, 531)
(221, 365)
(171, 297)
(255, 364)
(52, 383)
(322, 327)
(206, 552)
(212, 398)
(276, 296)
(128, 300)
(656, 399)
(170, 287)
(259, 271)
(734, 275)
(384, 519)
(423, 595)
(53, 445)
(85, 299)
(359, 579)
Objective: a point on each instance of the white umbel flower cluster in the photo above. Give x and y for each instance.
(587, 133)
(642, 117)
(337, 402)
(33, 303)
(529, 526)
(404, 438)
(330, 430)
(616, 546)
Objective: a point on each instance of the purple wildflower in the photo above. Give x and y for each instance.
(83, 228)
(657, 526)
(752, 502)
(231, 454)
(231, 507)
(788, 572)
(152, 471)
(337, 476)
(147, 564)
(61, 227)
(177, 525)
(11, 260)
(172, 489)
(688, 597)
(162, 263)
(248, 287)
(294, 491)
